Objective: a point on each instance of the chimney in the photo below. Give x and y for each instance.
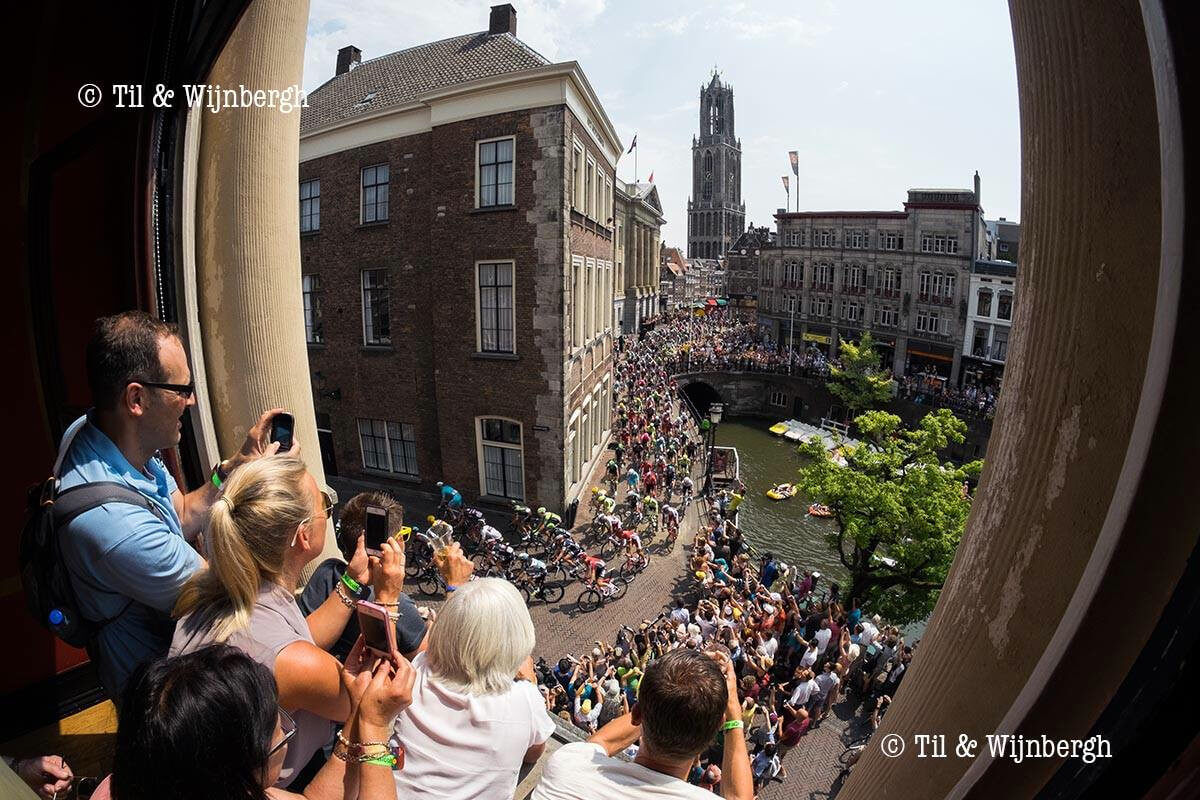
(976, 187)
(503, 20)
(349, 57)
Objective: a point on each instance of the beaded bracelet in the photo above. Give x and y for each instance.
(342, 738)
(348, 601)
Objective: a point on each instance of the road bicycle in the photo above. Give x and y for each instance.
(594, 595)
(633, 565)
(539, 588)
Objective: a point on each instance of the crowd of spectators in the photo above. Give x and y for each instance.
(794, 646)
(722, 341)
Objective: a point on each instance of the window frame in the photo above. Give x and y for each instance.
(362, 194)
(390, 466)
(480, 453)
(363, 289)
(512, 309)
(314, 209)
(577, 167)
(310, 292)
(479, 143)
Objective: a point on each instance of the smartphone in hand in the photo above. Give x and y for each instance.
(379, 633)
(283, 426)
(375, 530)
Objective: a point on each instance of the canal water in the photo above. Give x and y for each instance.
(783, 526)
(780, 526)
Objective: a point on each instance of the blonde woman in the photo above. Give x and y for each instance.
(471, 725)
(268, 524)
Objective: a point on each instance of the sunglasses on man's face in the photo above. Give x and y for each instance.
(184, 390)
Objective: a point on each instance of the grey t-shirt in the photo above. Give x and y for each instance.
(410, 628)
(275, 623)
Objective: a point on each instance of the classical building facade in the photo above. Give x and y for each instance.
(716, 213)
(903, 275)
(640, 219)
(457, 256)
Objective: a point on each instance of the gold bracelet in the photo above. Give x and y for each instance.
(341, 738)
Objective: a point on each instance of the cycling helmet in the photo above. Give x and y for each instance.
(524, 557)
(440, 484)
(541, 510)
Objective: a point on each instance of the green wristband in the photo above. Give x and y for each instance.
(351, 584)
(732, 724)
(388, 761)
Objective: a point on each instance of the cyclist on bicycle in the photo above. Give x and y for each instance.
(670, 517)
(548, 520)
(611, 469)
(611, 523)
(533, 568)
(451, 499)
(687, 485)
(489, 535)
(598, 574)
(650, 507)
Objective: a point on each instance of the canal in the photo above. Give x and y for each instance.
(783, 526)
(780, 526)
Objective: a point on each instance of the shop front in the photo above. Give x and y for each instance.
(929, 361)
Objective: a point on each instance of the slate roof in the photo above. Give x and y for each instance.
(400, 78)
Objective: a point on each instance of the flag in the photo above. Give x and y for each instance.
(795, 157)
(786, 185)
(633, 145)
(651, 179)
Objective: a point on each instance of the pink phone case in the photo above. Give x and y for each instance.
(377, 612)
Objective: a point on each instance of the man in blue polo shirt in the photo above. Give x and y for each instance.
(127, 563)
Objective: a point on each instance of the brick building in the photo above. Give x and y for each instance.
(903, 275)
(456, 243)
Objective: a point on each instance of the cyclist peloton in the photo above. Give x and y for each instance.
(650, 507)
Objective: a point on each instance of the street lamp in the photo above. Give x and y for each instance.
(715, 412)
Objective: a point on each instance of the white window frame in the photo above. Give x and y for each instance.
(577, 168)
(362, 195)
(577, 268)
(572, 453)
(479, 184)
(480, 443)
(779, 399)
(380, 342)
(512, 309)
(589, 188)
(387, 446)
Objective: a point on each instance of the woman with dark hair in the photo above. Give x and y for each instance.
(208, 725)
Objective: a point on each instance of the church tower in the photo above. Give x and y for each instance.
(716, 213)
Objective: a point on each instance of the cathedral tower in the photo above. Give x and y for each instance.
(716, 213)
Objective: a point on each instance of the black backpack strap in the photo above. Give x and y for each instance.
(70, 503)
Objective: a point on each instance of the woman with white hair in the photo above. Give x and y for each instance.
(476, 713)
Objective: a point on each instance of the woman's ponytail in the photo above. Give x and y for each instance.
(249, 528)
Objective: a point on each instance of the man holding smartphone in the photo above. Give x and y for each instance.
(352, 541)
(129, 561)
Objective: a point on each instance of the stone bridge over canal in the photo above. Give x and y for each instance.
(778, 396)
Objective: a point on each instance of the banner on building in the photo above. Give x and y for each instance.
(786, 186)
(816, 337)
(795, 157)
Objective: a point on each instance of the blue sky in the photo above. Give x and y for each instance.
(878, 96)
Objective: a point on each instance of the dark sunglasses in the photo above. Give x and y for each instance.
(288, 725)
(184, 390)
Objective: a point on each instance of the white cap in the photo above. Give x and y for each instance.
(768, 608)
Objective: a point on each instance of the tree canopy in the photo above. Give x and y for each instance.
(898, 513)
(859, 382)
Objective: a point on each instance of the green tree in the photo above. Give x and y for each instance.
(898, 514)
(859, 382)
